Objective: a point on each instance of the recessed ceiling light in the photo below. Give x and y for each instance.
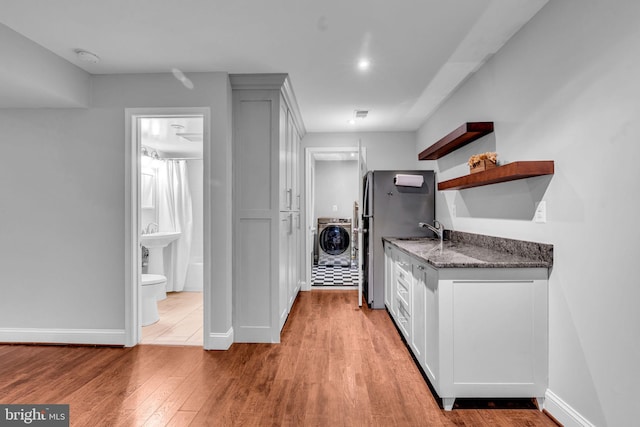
(364, 64)
(351, 121)
(86, 56)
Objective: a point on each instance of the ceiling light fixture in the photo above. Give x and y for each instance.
(86, 56)
(179, 75)
(364, 64)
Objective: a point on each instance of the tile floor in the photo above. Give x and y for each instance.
(180, 321)
(323, 275)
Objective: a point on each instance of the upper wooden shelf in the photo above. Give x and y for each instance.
(508, 172)
(460, 137)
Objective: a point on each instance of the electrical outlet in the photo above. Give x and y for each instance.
(541, 213)
(335, 208)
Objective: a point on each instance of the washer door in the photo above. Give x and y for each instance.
(334, 240)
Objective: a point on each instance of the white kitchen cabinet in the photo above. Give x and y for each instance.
(432, 332)
(293, 136)
(289, 152)
(418, 311)
(266, 132)
(475, 332)
(295, 253)
(403, 286)
(389, 281)
(284, 256)
(289, 282)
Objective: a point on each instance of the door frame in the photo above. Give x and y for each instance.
(308, 199)
(132, 253)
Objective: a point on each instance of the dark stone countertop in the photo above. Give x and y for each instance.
(466, 250)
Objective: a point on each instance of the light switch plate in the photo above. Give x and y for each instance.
(335, 208)
(541, 213)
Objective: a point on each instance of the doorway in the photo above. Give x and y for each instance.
(333, 181)
(169, 215)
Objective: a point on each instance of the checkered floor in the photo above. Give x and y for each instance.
(325, 275)
(335, 260)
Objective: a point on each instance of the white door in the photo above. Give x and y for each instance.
(362, 171)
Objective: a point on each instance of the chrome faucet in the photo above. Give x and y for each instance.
(150, 228)
(436, 228)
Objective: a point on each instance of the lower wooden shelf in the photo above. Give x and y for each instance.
(508, 172)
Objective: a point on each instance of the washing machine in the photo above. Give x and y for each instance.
(334, 241)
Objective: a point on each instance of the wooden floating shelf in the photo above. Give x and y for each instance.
(460, 137)
(508, 172)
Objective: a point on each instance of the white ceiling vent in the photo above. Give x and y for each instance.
(361, 114)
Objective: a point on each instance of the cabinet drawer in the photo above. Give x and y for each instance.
(403, 319)
(403, 270)
(402, 294)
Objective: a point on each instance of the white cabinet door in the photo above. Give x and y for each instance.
(283, 160)
(432, 339)
(389, 280)
(403, 286)
(294, 142)
(294, 259)
(284, 265)
(418, 312)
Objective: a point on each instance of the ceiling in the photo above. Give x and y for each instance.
(419, 50)
(173, 137)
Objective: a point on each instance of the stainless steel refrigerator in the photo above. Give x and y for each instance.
(390, 210)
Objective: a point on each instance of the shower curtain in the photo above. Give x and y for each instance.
(175, 214)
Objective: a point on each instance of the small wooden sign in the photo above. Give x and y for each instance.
(482, 166)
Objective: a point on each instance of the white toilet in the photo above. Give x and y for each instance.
(151, 284)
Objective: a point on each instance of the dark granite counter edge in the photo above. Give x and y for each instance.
(542, 252)
(536, 255)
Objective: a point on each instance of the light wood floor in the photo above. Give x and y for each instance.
(337, 365)
(180, 321)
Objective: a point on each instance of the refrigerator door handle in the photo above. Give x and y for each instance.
(366, 203)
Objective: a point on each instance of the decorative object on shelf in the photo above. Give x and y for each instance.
(463, 135)
(482, 162)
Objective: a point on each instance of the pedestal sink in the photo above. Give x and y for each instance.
(155, 243)
(159, 239)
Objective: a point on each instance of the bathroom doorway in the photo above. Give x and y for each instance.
(168, 226)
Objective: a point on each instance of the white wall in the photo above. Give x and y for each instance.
(337, 184)
(66, 269)
(37, 78)
(566, 88)
(385, 150)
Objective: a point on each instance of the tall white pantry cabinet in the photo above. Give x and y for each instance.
(267, 255)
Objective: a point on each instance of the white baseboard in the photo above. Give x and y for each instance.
(256, 334)
(63, 336)
(563, 413)
(219, 341)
